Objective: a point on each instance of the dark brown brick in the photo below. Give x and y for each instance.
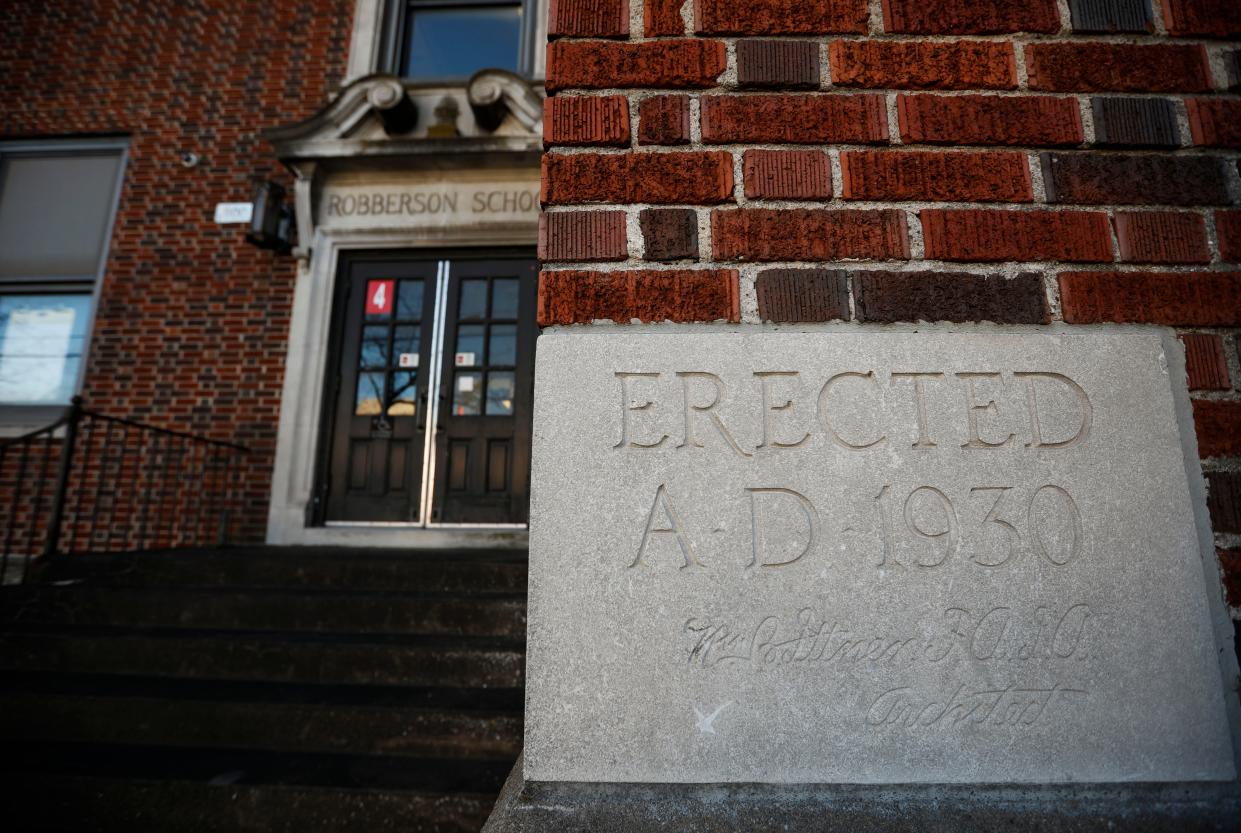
(787, 174)
(567, 236)
(1179, 299)
(1228, 230)
(1205, 364)
(669, 233)
(949, 296)
(692, 177)
(989, 120)
(663, 17)
(779, 17)
(978, 235)
(1230, 574)
(663, 120)
(793, 295)
(962, 176)
(1218, 426)
(580, 297)
(800, 119)
(1105, 16)
(923, 65)
(588, 18)
(808, 234)
(777, 64)
(1224, 500)
(1215, 122)
(1162, 237)
(1135, 122)
(1210, 18)
(970, 17)
(1131, 179)
(599, 121)
(653, 64)
(1118, 67)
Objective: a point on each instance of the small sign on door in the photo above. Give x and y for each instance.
(379, 297)
(408, 360)
(465, 360)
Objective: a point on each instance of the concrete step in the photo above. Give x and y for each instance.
(289, 568)
(69, 804)
(408, 661)
(266, 610)
(289, 727)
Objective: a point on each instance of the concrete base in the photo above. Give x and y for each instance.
(564, 807)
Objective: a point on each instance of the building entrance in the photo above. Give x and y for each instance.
(431, 376)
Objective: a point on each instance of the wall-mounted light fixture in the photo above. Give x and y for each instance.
(271, 225)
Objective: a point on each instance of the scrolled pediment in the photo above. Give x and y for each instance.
(381, 115)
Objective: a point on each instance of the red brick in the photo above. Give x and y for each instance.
(1211, 18)
(1121, 67)
(1230, 574)
(808, 234)
(663, 17)
(654, 64)
(663, 120)
(566, 236)
(949, 296)
(601, 121)
(920, 65)
(779, 17)
(800, 119)
(1215, 122)
(787, 174)
(978, 235)
(691, 177)
(970, 17)
(1218, 426)
(588, 18)
(1228, 229)
(777, 64)
(790, 295)
(669, 233)
(1185, 299)
(1134, 179)
(989, 120)
(1205, 363)
(579, 297)
(935, 175)
(1162, 237)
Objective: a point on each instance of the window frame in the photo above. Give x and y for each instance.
(18, 417)
(391, 47)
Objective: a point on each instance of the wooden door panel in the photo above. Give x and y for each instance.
(375, 428)
(486, 393)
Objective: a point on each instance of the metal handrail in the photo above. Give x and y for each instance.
(149, 486)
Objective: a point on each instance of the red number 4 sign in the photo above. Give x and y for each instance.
(379, 297)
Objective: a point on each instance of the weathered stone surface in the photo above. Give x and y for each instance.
(998, 579)
(552, 807)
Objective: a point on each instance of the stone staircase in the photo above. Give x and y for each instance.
(264, 689)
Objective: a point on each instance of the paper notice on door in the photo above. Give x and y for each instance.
(408, 360)
(465, 383)
(465, 360)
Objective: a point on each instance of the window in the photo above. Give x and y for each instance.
(57, 202)
(450, 40)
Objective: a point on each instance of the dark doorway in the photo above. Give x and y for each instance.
(430, 386)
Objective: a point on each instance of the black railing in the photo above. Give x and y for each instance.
(96, 483)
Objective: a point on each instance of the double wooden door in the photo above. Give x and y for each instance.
(428, 412)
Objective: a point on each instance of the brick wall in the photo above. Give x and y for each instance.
(1013, 161)
(192, 323)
